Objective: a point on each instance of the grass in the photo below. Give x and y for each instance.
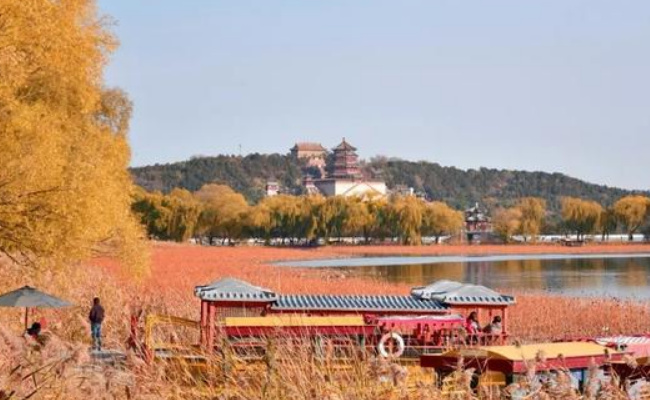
(176, 269)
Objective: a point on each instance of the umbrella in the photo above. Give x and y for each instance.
(29, 297)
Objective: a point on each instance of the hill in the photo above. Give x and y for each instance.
(460, 188)
(247, 175)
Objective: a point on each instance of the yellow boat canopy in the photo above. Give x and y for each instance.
(532, 351)
(293, 320)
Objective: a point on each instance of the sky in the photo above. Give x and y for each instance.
(554, 85)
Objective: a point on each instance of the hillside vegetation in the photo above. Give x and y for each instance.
(246, 175)
(459, 188)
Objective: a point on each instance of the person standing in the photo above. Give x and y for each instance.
(96, 318)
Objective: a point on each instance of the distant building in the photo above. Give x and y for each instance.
(346, 162)
(308, 184)
(272, 188)
(313, 154)
(346, 178)
(477, 223)
(403, 190)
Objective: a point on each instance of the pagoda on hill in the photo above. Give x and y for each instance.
(346, 178)
(346, 161)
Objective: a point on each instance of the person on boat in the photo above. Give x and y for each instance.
(471, 323)
(494, 328)
(472, 327)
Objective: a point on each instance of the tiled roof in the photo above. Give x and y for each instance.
(441, 286)
(309, 146)
(345, 146)
(230, 289)
(456, 293)
(356, 303)
(496, 300)
(438, 296)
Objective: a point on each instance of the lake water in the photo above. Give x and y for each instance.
(625, 276)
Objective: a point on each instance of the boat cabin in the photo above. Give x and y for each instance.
(636, 367)
(503, 365)
(431, 316)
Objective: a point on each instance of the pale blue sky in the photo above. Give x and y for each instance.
(553, 85)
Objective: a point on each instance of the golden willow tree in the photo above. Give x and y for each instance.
(507, 222)
(439, 219)
(65, 191)
(533, 211)
(223, 212)
(580, 216)
(632, 212)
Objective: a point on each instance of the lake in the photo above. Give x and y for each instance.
(620, 275)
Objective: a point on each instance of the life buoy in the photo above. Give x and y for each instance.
(382, 345)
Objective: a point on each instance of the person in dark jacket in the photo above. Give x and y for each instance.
(96, 318)
(34, 330)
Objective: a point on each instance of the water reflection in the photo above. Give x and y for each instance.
(619, 277)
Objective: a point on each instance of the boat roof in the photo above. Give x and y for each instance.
(532, 351)
(435, 298)
(457, 293)
(356, 303)
(437, 287)
(623, 340)
(231, 289)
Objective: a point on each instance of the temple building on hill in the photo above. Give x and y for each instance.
(346, 178)
(346, 162)
(312, 154)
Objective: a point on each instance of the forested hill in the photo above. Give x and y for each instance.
(491, 187)
(247, 175)
(460, 188)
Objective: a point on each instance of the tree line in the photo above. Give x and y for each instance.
(217, 211)
(578, 217)
(220, 213)
(494, 188)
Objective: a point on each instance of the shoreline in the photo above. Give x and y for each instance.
(487, 249)
(407, 259)
(183, 266)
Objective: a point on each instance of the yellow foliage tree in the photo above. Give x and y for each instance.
(632, 212)
(259, 221)
(168, 217)
(533, 211)
(186, 210)
(223, 212)
(439, 219)
(359, 220)
(506, 222)
(330, 215)
(65, 191)
(406, 216)
(292, 217)
(580, 216)
(608, 223)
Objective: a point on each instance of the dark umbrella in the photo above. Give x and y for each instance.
(29, 297)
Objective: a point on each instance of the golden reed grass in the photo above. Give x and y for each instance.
(62, 371)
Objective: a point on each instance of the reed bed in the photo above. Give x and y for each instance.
(62, 370)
